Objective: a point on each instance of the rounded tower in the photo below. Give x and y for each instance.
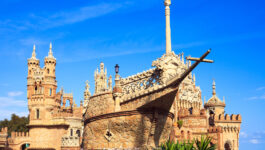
(50, 82)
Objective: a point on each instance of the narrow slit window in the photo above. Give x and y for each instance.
(38, 114)
(50, 92)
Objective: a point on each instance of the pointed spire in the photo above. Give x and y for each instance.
(87, 86)
(214, 92)
(87, 92)
(34, 52)
(194, 79)
(50, 54)
(223, 99)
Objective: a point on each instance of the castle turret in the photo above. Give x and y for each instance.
(87, 94)
(33, 66)
(214, 105)
(49, 74)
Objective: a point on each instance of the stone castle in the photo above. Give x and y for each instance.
(139, 112)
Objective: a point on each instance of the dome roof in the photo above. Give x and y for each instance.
(214, 100)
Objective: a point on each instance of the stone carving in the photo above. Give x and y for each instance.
(140, 82)
(101, 84)
(70, 141)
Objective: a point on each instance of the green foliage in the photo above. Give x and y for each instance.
(203, 144)
(180, 123)
(17, 124)
(177, 146)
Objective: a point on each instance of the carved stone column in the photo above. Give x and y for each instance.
(117, 92)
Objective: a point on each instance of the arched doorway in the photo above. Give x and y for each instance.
(228, 145)
(24, 146)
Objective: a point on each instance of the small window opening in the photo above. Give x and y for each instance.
(38, 114)
(78, 133)
(71, 132)
(36, 89)
(50, 92)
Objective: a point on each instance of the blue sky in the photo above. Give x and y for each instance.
(132, 34)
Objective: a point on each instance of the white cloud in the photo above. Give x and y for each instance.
(257, 97)
(55, 19)
(243, 134)
(11, 102)
(260, 88)
(13, 94)
(254, 141)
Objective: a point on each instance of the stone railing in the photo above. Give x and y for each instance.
(141, 82)
(68, 141)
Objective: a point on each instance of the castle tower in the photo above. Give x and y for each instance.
(41, 88)
(101, 84)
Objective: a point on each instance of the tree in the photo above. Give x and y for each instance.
(16, 124)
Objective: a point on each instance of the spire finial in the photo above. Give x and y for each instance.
(214, 92)
(87, 86)
(223, 99)
(34, 52)
(50, 51)
(168, 30)
(194, 79)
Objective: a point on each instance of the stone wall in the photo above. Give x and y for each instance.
(100, 104)
(48, 137)
(131, 129)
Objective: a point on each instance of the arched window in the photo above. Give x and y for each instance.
(78, 133)
(182, 134)
(36, 89)
(29, 72)
(48, 71)
(71, 132)
(190, 110)
(189, 138)
(228, 145)
(37, 113)
(50, 93)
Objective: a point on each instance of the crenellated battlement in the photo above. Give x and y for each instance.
(183, 113)
(19, 134)
(215, 129)
(4, 130)
(228, 118)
